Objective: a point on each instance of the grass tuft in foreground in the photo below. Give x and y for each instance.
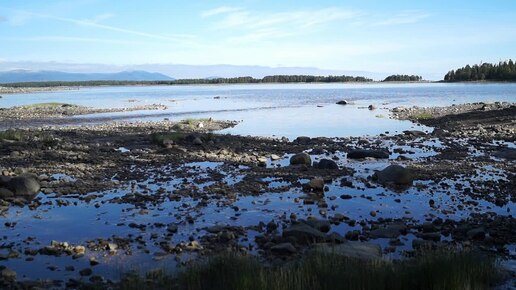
(159, 138)
(434, 271)
(52, 105)
(421, 116)
(12, 135)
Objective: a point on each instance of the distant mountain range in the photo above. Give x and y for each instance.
(186, 71)
(18, 76)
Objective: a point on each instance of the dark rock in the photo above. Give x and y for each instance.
(7, 275)
(335, 238)
(303, 233)
(389, 231)
(476, 234)
(24, 185)
(394, 174)
(197, 141)
(343, 102)
(4, 180)
(326, 164)
(321, 225)
(414, 133)
(360, 250)
(436, 236)
(362, 153)
(302, 139)
(509, 154)
(284, 249)
(86, 272)
(371, 107)
(316, 184)
(301, 159)
(5, 193)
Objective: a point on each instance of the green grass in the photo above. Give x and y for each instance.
(194, 121)
(443, 270)
(421, 116)
(12, 135)
(158, 138)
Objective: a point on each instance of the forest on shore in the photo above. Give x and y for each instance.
(503, 71)
(403, 78)
(235, 80)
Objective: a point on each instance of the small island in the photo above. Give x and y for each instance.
(403, 78)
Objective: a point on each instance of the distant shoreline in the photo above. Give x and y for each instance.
(34, 87)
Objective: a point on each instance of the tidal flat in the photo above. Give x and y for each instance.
(87, 198)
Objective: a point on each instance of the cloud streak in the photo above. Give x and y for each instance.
(94, 23)
(405, 17)
(218, 11)
(252, 26)
(57, 38)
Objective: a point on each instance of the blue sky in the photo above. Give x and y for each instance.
(423, 37)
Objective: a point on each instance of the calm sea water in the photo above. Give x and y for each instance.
(277, 109)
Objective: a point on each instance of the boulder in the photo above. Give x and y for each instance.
(4, 180)
(371, 107)
(302, 139)
(301, 159)
(320, 225)
(352, 249)
(24, 185)
(363, 153)
(394, 174)
(284, 249)
(389, 231)
(326, 164)
(509, 154)
(303, 234)
(476, 234)
(316, 184)
(414, 133)
(8, 275)
(343, 102)
(5, 193)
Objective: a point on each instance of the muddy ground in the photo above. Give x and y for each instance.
(179, 191)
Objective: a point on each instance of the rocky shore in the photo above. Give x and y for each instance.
(61, 110)
(175, 191)
(13, 90)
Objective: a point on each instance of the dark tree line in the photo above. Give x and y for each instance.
(236, 80)
(403, 78)
(503, 71)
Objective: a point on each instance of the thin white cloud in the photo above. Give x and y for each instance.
(56, 38)
(100, 17)
(93, 24)
(219, 10)
(405, 17)
(255, 26)
(244, 19)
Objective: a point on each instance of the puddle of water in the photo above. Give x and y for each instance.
(124, 210)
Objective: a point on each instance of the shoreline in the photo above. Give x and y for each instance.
(124, 166)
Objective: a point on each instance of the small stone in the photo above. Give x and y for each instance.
(317, 184)
(86, 272)
(197, 141)
(8, 274)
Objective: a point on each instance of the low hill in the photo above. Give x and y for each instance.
(18, 76)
